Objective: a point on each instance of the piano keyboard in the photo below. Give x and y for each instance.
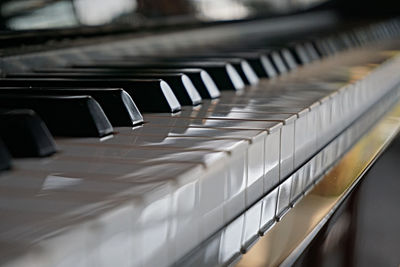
(153, 155)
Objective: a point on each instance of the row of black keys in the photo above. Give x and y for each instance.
(79, 101)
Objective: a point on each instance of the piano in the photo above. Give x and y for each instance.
(187, 133)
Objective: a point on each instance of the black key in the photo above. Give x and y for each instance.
(242, 67)
(5, 158)
(265, 62)
(224, 74)
(289, 59)
(150, 95)
(180, 83)
(332, 45)
(276, 60)
(64, 115)
(203, 82)
(25, 134)
(322, 47)
(301, 54)
(116, 103)
(346, 40)
(260, 63)
(200, 78)
(311, 51)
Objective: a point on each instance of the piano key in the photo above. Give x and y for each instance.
(64, 115)
(251, 226)
(297, 188)
(256, 139)
(268, 212)
(255, 144)
(276, 59)
(287, 131)
(242, 67)
(288, 58)
(323, 47)
(300, 53)
(283, 198)
(150, 95)
(5, 158)
(230, 241)
(201, 79)
(260, 63)
(224, 74)
(180, 83)
(312, 53)
(144, 207)
(210, 183)
(260, 179)
(116, 103)
(25, 134)
(305, 124)
(236, 168)
(270, 126)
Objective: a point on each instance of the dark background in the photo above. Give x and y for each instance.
(365, 230)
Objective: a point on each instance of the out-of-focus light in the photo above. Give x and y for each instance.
(97, 12)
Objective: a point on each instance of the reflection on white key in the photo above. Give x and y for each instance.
(269, 203)
(116, 217)
(251, 226)
(231, 240)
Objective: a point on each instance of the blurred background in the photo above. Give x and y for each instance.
(46, 14)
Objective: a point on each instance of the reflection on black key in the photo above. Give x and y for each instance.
(180, 83)
(64, 115)
(116, 103)
(241, 65)
(200, 78)
(150, 95)
(288, 58)
(25, 134)
(300, 54)
(224, 74)
(244, 69)
(5, 158)
(311, 51)
(260, 63)
(277, 61)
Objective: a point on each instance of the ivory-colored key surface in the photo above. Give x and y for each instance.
(287, 131)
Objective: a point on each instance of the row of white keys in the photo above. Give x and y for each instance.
(254, 184)
(258, 182)
(262, 211)
(132, 208)
(305, 130)
(215, 192)
(245, 130)
(292, 189)
(256, 162)
(286, 135)
(261, 177)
